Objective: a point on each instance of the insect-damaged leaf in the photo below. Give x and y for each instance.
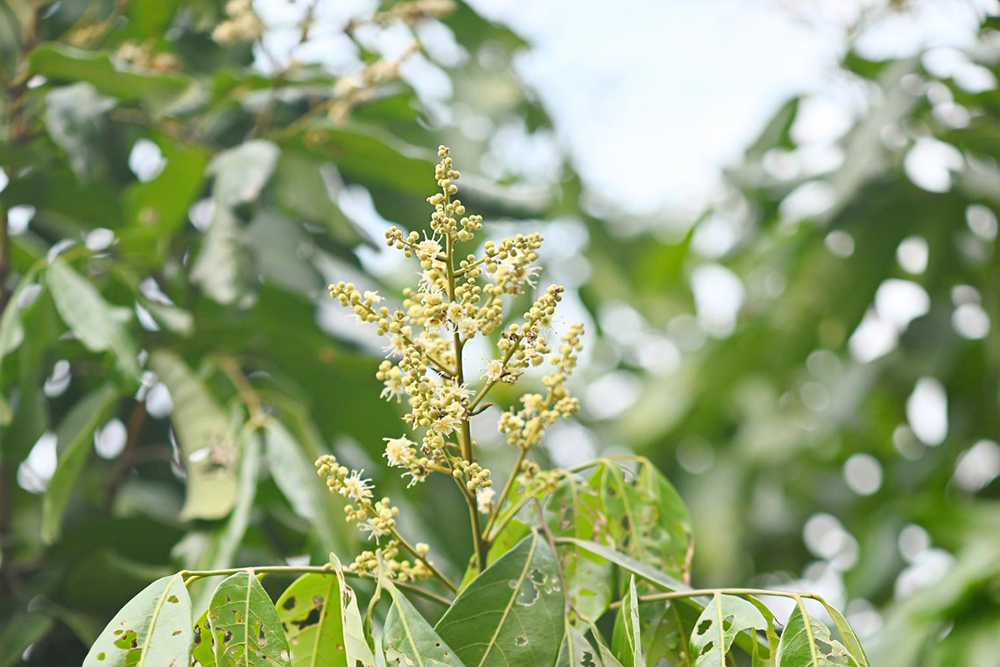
(203, 648)
(510, 614)
(206, 440)
(724, 618)
(320, 616)
(626, 640)
(152, 630)
(806, 642)
(409, 640)
(576, 651)
(245, 625)
(574, 510)
(646, 516)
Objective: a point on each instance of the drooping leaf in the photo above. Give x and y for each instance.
(206, 439)
(626, 640)
(203, 646)
(92, 319)
(220, 267)
(322, 622)
(666, 631)
(77, 431)
(245, 625)
(74, 118)
(806, 642)
(629, 564)
(12, 333)
(847, 635)
(510, 614)
(152, 630)
(306, 189)
(723, 619)
(409, 640)
(764, 654)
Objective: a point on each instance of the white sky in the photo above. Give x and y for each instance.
(652, 97)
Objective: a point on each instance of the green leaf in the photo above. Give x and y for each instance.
(626, 562)
(92, 319)
(410, 640)
(647, 518)
(77, 430)
(666, 632)
(241, 172)
(724, 618)
(806, 642)
(626, 640)
(203, 649)
(847, 634)
(153, 629)
(245, 625)
(304, 190)
(22, 631)
(576, 651)
(74, 118)
(220, 267)
(510, 614)
(12, 332)
(62, 63)
(206, 438)
(156, 209)
(575, 510)
(322, 622)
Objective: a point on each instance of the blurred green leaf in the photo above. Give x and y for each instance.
(74, 118)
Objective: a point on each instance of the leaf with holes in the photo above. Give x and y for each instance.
(763, 653)
(666, 628)
(847, 635)
(92, 319)
(576, 651)
(409, 640)
(510, 614)
(724, 617)
(626, 639)
(206, 438)
(646, 517)
(203, 648)
(245, 625)
(574, 510)
(154, 628)
(806, 642)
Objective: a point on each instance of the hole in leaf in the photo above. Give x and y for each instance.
(528, 593)
(289, 603)
(727, 622)
(521, 640)
(704, 626)
(312, 618)
(707, 648)
(173, 599)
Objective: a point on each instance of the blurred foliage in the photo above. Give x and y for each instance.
(175, 208)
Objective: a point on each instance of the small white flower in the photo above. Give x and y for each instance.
(396, 346)
(355, 487)
(428, 249)
(398, 451)
(484, 499)
(494, 370)
(374, 297)
(445, 424)
(467, 327)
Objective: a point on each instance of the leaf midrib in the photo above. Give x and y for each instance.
(510, 603)
(153, 619)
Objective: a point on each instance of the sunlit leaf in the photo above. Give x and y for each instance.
(245, 625)
(241, 173)
(510, 614)
(154, 628)
(723, 619)
(409, 640)
(206, 438)
(806, 642)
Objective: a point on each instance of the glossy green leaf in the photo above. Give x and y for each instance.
(626, 640)
(510, 614)
(409, 640)
(245, 625)
(152, 630)
(806, 642)
(322, 622)
(93, 320)
(723, 619)
(77, 432)
(206, 438)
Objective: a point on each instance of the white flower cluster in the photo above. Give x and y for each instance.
(242, 24)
